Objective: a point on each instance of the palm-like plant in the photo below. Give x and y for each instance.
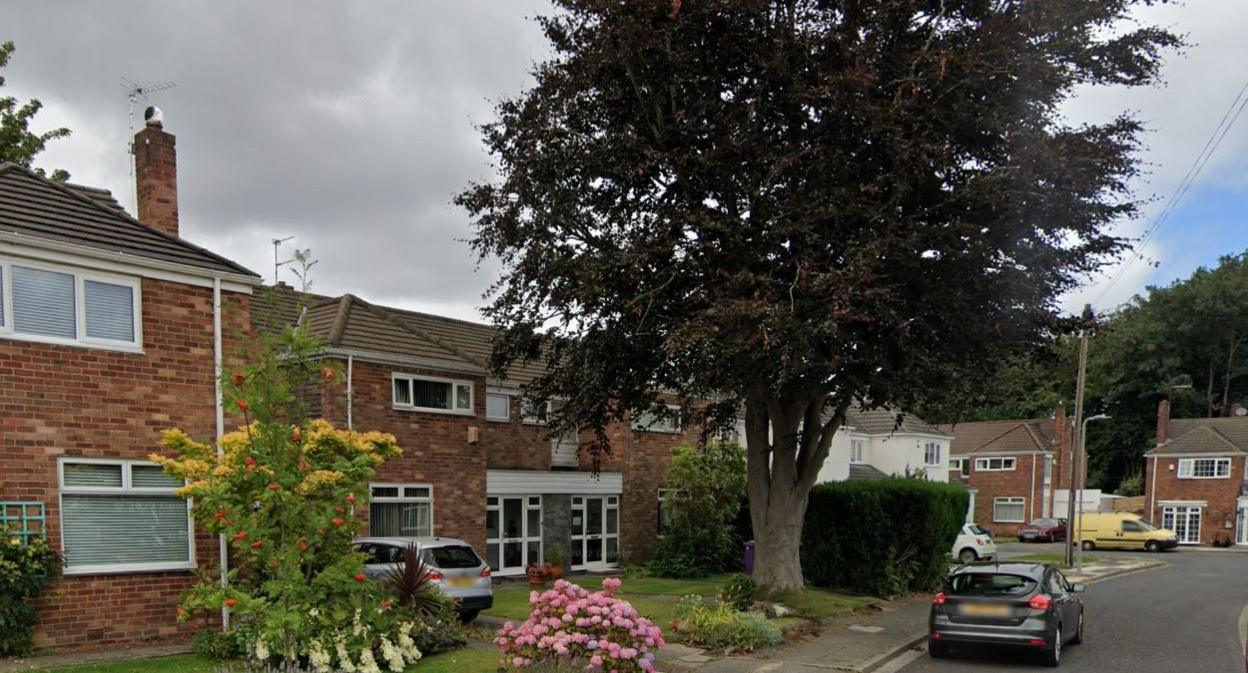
(412, 582)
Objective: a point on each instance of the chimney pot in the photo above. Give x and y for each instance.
(156, 175)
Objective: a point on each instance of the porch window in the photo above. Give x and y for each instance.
(1008, 510)
(401, 510)
(121, 516)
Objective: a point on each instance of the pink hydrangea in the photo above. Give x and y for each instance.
(569, 624)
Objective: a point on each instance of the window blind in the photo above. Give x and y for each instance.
(109, 310)
(43, 303)
(399, 519)
(119, 530)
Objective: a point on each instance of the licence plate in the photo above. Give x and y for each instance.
(460, 581)
(978, 610)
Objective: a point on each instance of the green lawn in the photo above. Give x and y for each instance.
(472, 659)
(657, 598)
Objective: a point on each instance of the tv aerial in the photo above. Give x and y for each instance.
(138, 94)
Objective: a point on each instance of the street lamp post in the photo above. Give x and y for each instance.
(1083, 478)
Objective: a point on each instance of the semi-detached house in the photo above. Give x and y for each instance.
(109, 333)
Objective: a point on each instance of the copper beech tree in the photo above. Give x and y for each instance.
(790, 207)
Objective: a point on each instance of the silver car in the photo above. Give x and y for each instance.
(456, 568)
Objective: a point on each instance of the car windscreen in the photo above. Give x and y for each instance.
(975, 530)
(1146, 525)
(990, 584)
(451, 558)
(1044, 523)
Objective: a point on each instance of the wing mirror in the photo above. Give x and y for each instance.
(1077, 588)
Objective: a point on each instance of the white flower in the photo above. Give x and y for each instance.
(344, 658)
(367, 663)
(393, 655)
(314, 612)
(319, 658)
(261, 650)
(356, 626)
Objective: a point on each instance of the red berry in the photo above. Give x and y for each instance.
(221, 514)
(337, 522)
(303, 546)
(239, 379)
(359, 577)
(340, 510)
(242, 404)
(275, 486)
(328, 374)
(230, 602)
(350, 499)
(257, 544)
(296, 435)
(181, 612)
(251, 462)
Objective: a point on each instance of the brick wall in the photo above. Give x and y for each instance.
(1221, 495)
(62, 401)
(1010, 483)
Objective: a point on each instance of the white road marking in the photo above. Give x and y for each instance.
(901, 661)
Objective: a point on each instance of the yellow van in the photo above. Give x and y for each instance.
(1122, 530)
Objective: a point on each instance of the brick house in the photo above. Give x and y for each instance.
(110, 327)
(476, 465)
(1194, 478)
(1012, 468)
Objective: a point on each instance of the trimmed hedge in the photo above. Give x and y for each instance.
(884, 537)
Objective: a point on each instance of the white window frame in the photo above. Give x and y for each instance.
(125, 489)
(960, 465)
(985, 464)
(857, 449)
(1010, 500)
(674, 419)
(402, 498)
(7, 330)
(454, 396)
(506, 418)
(928, 448)
(1221, 468)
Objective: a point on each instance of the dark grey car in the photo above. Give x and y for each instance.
(1022, 604)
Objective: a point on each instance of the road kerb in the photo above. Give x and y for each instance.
(1150, 565)
(883, 658)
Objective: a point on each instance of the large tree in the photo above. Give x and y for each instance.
(789, 207)
(18, 144)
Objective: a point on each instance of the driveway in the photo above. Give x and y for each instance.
(1183, 617)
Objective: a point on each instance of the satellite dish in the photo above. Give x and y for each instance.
(153, 116)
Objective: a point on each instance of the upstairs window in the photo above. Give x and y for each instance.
(429, 394)
(931, 453)
(651, 422)
(497, 407)
(994, 464)
(960, 465)
(856, 447)
(60, 305)
(1204, 468)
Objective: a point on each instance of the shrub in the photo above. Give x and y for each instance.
(722, 627)
(738, 592)
(413, 585)
(25, 569)
(885, 537)
(569, 626)
(211, 643)
(706, 489)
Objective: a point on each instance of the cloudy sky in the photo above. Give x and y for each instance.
(351, 126)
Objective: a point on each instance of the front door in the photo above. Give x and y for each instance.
(1241, 523)
(595, 532)
(513, 533)
(1184, 521)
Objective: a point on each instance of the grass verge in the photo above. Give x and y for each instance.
(471, 659)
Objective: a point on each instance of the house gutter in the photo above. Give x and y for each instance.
(218, 369)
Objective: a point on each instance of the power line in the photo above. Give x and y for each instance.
(1220, 132)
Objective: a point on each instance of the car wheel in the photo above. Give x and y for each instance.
(1079, 631)
(968, 555)
(467, 616)
(1053, 655)
(1153, 546)
(937, 650)
(1088, 545)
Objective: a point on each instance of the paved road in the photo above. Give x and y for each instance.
(1179, 619)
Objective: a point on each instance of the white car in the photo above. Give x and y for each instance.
(973, 544)
(453, 566)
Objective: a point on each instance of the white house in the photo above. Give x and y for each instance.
(882, 443)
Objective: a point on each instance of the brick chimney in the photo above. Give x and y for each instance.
(1163, 421)
(156, 174)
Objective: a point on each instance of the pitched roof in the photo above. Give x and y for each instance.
(351, 323)
(1205, 435)
(888, 421)
(37, 207)
(1001, 436)
(863, 471)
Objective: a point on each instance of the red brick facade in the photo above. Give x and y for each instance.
(156, 173)
(65, 401)
(1219, 497)
(1026, 480)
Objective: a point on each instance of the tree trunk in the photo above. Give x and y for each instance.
(1209, 393)
(787, 442)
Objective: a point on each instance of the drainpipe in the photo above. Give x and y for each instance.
(1031, 496)
(1152, 497)
(350, 366)
(218, 367)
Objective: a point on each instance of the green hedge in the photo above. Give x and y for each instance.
(885, 537)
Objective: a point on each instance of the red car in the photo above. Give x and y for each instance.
(1043, 530)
